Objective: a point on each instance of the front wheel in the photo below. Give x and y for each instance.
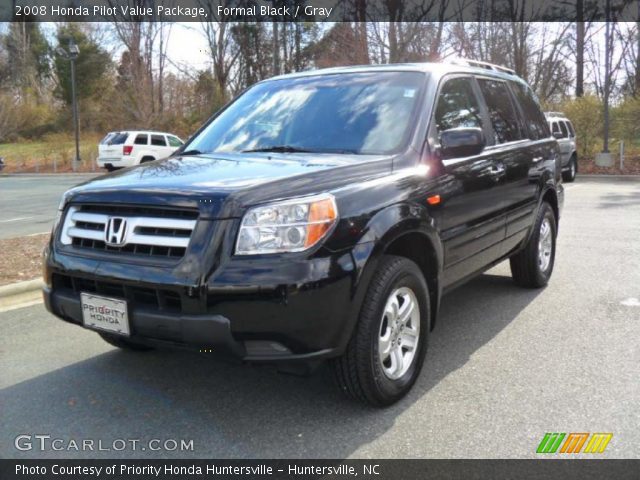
(533, 265)
(387, 349)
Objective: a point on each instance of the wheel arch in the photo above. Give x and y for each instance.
(405, 232)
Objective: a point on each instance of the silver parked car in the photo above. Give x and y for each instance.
(563, 131)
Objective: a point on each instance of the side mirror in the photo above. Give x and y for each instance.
(461, 142)
(558, 135)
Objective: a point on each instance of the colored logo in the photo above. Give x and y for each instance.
(573, 442)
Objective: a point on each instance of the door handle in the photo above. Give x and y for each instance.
(537, 159)
(497, 169)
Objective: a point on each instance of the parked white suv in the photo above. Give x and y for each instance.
(563, 131)
(124, 149)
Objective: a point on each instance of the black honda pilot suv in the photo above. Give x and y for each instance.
(319, 216)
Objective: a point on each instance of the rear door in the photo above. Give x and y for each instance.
(159, 146)
(511, 151)
(565, 142)
(525, 178)
(140, 145)
(472, 224)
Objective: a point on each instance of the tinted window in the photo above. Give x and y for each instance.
(158, 141)
(501, 111)
(572, 132)
(362, 113)
(457, 106)
(563, 128)
(174, 141)
(555, 128)
(118, 139)
(106, 138)
(534, 118)
(142, 139)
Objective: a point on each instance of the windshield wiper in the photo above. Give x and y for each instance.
(279, 149)
(191, 152)
(292, 149)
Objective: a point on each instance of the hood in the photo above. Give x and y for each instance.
(206, 181)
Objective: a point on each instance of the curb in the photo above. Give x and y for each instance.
(20, 288)
(606, 175)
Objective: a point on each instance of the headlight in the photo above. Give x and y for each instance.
(63, 203)
(288, 226)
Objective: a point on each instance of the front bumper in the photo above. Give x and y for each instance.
(268, 309)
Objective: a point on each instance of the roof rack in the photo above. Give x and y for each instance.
(555, 114)
(477, 63)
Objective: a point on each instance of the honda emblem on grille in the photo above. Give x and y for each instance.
(115, 232)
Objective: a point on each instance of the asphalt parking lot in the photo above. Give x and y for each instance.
(505, 366)
(29, 202)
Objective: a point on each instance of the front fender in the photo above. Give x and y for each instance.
(383, 229)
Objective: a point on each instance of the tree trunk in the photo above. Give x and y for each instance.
(276, 50)
(637, 79)
(580, 32)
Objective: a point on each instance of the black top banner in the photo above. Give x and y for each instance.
(318, 10)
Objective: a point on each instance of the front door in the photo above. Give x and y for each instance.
(472, 224)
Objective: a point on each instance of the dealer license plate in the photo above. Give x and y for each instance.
(102, 313)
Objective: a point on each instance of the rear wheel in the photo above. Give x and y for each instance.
(147, 159)
(387, 349)
(533, 265)
(570, 175)
(123, 343)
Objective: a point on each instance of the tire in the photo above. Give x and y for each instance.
(147, 159)
(361, 372)
(110, 168)
(123, 343)
(570, 175)
(529, 268)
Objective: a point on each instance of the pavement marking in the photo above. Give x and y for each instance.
(39, 233)
(30, 303)
(15, 219)
(630, 302)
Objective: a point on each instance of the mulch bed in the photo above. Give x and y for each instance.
(631, 167)
(21, 258)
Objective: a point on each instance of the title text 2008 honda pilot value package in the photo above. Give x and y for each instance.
(319, 216)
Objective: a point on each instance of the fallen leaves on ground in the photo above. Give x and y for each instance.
(21, 258)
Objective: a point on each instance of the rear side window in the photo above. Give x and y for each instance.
(106, 138)
(142, 139)
(555, 128)
(158, 141)
(572, 132)
(174, 141)
(457, 106)
(534, 118)
(118, 139)
(501, 112)
(563, 129)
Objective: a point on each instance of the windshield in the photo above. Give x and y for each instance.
(362, 113)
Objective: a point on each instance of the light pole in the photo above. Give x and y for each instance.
(71, 54)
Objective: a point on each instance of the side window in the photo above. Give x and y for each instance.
(174, 141)
(555, 128)
(501, 110)
(457, 106)
(158, 141)
(142, 139)
(563, 129)
(534, 118)
(572, 132)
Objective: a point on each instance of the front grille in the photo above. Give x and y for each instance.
(150, 298)
(145, 231)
